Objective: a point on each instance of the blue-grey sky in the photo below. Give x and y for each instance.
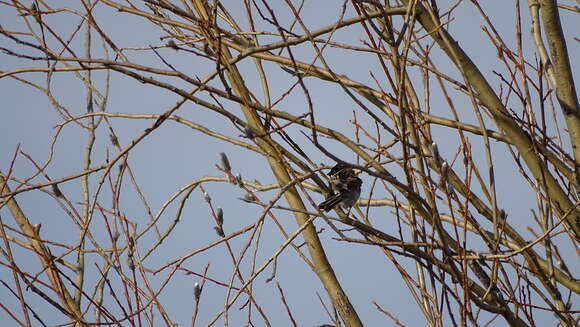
(174, 156)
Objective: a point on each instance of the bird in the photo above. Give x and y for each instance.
(345, 186)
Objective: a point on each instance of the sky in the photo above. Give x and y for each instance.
(174, 155)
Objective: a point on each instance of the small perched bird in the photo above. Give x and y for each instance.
(345, 186)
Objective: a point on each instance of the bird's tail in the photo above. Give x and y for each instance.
(330, 202)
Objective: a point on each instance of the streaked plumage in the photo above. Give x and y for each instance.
(346, 188)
